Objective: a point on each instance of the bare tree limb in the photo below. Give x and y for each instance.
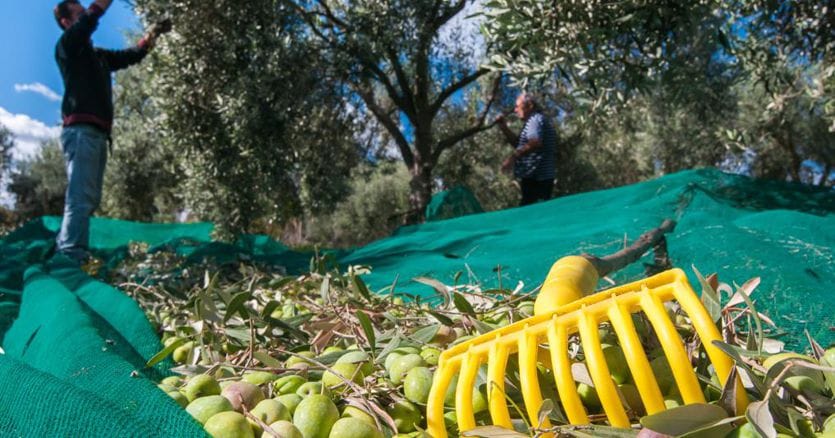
(624, 257)
(403, 81)
(452, 89)
(447, 15)
(366, 60)
(389, 123)
(479, 126)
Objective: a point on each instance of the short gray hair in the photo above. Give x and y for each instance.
(529, 99)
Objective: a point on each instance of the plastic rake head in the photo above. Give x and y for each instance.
(562, 312)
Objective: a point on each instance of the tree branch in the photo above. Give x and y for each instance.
(389, 123)
(447, 15)
(473, 130)
(403, 81)
(624, 257)
(452, 89)
(331, 16)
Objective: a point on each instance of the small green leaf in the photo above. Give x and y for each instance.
(239, 334)
(360, 287)
(624, 19)
(759, 415)
(441, 288)
(268, 309)
(482, 326)
(290, 326)
(426, 334)
(545, 410)
(462, 304)
(728, 398)
(493, 432)
(237, 306)
(596, 431)
(443, 319)
(720, 428)
(157, 358)
(266, 359)
(391, 346)
(736, 354)
(709, 297)
(279, 283)
(331, 358)
(683, 419)
(745, 291)
(368, 328)
(325, 290)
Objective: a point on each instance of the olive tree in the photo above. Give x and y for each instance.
(6, 144)
(390, 55)
(243, 104)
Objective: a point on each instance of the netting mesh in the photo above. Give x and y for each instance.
(732, 225)
(455, 202)
(71, 343)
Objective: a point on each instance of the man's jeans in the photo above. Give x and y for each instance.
(85, 152)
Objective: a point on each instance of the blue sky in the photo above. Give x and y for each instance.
(30, 84)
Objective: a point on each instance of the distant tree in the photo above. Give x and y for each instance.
(639, 84)
(223, 95)
(778, 139)
(391, 56)
(6, 145)
(601, 50)
(378, 199)
(788, 53)
(243, 104)
(39, 183)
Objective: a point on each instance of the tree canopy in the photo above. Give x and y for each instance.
(289, 116)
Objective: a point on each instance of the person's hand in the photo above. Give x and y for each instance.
(154, 32)
(508, 163)
(160, 28)
(501, 119)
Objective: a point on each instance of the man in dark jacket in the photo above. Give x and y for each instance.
(87, 112)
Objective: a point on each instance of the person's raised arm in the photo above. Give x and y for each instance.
(103, 4)
(80, 32)
(510, 137)
(119, 59)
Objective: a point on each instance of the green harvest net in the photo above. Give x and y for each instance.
(71, 343)
(455, 202)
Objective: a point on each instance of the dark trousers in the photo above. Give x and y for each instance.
(534, 191)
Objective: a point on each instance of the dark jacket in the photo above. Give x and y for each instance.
(88, 92)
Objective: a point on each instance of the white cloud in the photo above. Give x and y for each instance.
(28, 133)
(38, 88)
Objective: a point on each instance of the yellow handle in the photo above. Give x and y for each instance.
(570, 279)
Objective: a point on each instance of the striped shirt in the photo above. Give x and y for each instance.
(538, 164)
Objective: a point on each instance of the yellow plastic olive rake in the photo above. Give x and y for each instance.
(562, 309)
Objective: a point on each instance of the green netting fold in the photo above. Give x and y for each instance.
(60, 340)
(455, 202)
(36, 403)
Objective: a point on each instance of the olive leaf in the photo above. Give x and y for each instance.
(157, 358)
(493, 432)
(684, 419)
(368, 328)
(759, 415)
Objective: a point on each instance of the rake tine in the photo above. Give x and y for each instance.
(599, 371)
